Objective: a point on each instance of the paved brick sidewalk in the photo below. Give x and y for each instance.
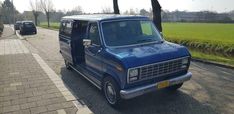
(27, 87)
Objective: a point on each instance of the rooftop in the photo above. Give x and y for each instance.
(98, 17)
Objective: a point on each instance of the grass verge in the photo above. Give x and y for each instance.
(53, 25)
(213, 58)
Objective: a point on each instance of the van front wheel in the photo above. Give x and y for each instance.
(111, 91)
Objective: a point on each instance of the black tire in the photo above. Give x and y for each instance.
(21, 33)
(67, 64)
(111, 92)
(174, 87)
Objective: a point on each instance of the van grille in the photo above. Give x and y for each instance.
(160, 69)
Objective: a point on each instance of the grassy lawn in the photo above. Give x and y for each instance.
(53, 25)
(216, 40)
(213, 38)
(202, 32)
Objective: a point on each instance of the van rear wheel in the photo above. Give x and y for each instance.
(111, 92)
(67, 64)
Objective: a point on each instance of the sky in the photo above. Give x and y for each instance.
(95, 6)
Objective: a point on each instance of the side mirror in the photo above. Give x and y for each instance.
(87, 42)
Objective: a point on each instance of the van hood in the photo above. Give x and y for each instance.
(134, 56)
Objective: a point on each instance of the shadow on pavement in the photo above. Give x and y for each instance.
(157, 102)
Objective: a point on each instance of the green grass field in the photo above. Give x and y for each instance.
(214, 42)
(202, 32)
(53, 25)
(218, 38)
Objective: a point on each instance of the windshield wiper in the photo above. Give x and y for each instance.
(144, 40)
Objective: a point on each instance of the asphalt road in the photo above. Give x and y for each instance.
(210, 91)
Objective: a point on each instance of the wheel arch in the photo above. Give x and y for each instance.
(113, 76)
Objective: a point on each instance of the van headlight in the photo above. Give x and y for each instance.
(133, 74)
(184, 62)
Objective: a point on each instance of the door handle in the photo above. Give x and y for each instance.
(98, 51)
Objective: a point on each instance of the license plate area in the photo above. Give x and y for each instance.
(163, 84)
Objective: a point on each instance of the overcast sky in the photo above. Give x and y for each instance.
(91, 6)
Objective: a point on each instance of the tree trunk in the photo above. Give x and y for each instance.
(35, 18)
(157, 14)
(116, 6)
(48, 19)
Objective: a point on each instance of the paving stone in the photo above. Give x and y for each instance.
(55, 107)
(38, 110)
(28, 105)
(11, 108)
(62, 111)
(26, 111)
(16, 83)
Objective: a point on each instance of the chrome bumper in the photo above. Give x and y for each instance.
(131, 93)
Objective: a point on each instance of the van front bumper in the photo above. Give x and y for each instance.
(134, 92)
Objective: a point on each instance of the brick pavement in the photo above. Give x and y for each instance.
(27, 85)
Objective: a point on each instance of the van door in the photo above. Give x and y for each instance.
(65, 40)
(92, 52)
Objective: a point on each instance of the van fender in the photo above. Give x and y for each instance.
(112, 73)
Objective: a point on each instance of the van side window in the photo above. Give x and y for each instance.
(62, 27)
(93, 34)
(68, 28)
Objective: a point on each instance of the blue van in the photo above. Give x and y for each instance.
(124, 56)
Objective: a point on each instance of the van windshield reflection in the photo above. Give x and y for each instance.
(122, 33)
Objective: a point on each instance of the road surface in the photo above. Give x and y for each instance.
(210, 91)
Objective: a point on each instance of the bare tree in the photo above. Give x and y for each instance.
(157, 14)
(116, 6)
(106, 10)
(47, 7)
(77, 10)
(35, 7)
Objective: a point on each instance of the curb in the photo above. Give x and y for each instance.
(212, 63)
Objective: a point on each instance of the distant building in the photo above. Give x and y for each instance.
(28, 15)
(204, 16)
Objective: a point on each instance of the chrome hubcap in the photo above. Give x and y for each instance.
(110, 93)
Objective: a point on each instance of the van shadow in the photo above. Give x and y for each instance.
(157, 102)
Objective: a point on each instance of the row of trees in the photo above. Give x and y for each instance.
(46, 6)
(156, 12)
(37, 6)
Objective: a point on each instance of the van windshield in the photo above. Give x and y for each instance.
(122, 33)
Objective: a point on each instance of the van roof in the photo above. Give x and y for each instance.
(99, 17)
